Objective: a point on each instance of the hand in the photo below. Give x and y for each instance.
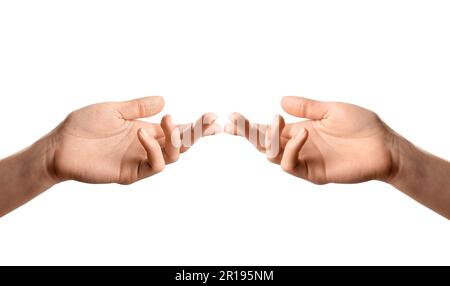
(340, 143)
(106, 143)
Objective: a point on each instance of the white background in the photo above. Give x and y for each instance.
(223, 203)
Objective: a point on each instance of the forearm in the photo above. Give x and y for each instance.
(25, 175)
(422, 176)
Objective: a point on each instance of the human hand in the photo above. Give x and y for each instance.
(340, 143)
(106, 143)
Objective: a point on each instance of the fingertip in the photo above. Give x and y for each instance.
(209, 118)
(167, 117)
(157, 101)
(158, 98)
(278, 120)
(211, 115)
(285, 100)
(301, 135)
(166, 122)
(143, 134)
(213, 129)
(289, 103)
(235, 116)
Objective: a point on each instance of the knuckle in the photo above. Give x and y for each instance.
(286, 168)
(126, 182)
(140, 109)
(71, 117)
(318, 181)
(172, 159)
(158, 168)
(272, 160)
(302, 108)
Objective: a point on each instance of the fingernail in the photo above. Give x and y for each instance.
(143, 133)
(231, 116)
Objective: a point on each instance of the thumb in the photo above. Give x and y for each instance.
(305, 108)
(140, 107)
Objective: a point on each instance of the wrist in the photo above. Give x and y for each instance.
(40, 158)
(25, 175)
(404, 156)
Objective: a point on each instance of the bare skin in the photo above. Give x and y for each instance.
(101, 143)
(339, 143)
(344, 143)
